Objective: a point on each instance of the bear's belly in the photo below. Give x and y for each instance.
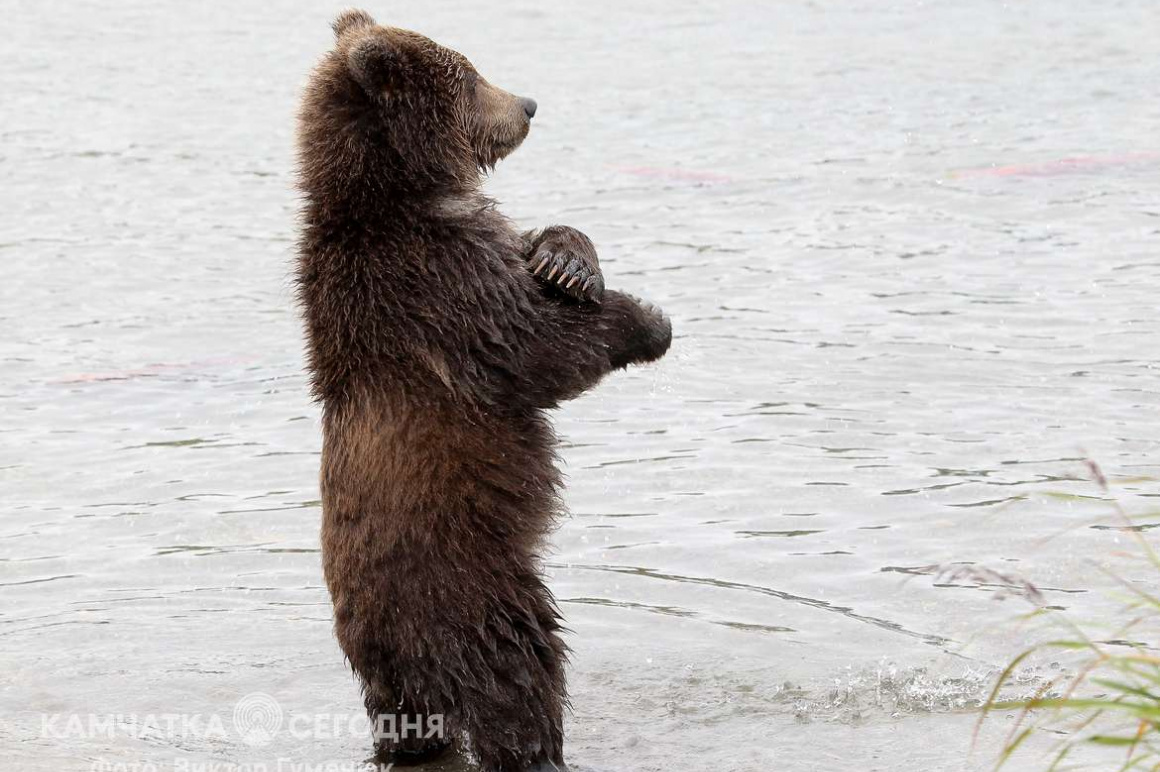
(408, 491)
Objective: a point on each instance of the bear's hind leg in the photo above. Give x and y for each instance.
(404, 736)
(514, 715)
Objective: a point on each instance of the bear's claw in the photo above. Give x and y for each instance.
(570, 261)
(575, 278)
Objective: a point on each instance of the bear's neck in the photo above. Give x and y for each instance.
(381, 212)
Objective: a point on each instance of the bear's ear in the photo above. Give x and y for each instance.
(374, 63)
(351, 18)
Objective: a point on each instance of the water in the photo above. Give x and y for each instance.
(901, 322)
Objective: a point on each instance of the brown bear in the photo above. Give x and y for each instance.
(437, 337)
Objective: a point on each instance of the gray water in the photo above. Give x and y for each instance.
(910, 253)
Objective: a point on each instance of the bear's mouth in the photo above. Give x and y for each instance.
(498, 148)
(506, 148)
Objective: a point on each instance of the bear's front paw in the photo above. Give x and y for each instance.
(565, 258)
(658, 333)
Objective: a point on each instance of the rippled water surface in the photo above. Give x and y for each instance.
(911, 255)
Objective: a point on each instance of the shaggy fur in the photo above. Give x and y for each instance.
(435, 351)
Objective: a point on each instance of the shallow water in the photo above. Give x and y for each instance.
(910, 253)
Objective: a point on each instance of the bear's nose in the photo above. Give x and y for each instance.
(529, 107)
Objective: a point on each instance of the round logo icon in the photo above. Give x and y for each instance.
(257, 718)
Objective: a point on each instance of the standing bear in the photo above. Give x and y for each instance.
(438, 335)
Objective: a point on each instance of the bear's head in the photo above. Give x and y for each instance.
(394, 103)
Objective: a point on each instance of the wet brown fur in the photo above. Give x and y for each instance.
(435, 353)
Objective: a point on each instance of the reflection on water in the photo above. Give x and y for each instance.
(909, 251)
